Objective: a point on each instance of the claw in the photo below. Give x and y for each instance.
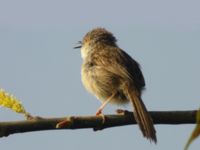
(99, 112)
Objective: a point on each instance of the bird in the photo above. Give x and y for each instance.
(114, 77)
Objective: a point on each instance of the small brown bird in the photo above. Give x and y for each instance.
(113, 76)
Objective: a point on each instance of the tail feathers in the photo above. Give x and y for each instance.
(142, 116)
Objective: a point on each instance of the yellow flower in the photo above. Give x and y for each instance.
(9, 101)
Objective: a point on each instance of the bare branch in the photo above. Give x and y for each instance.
(95, 122)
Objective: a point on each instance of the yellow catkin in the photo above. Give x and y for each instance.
(9, 101)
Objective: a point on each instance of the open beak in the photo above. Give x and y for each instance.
(80, 44)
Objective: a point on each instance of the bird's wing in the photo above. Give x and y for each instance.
(119, 63)
(133, 68)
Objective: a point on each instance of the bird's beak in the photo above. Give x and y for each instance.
(80, 45)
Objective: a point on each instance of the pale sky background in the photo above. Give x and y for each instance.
(40, 67)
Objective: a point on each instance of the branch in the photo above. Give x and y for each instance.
(95, 122)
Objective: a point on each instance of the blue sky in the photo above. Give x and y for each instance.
(40, 67)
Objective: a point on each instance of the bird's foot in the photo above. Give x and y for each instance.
(99, 113)
(122, 111)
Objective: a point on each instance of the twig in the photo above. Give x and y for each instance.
(95, 122)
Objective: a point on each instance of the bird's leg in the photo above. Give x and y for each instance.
(100, 109)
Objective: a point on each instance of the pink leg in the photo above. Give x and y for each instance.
(99, 111)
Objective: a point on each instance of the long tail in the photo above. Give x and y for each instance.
(141, 114)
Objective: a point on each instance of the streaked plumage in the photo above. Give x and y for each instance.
(109, 71)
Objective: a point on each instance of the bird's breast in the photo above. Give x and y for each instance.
(102, 83)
